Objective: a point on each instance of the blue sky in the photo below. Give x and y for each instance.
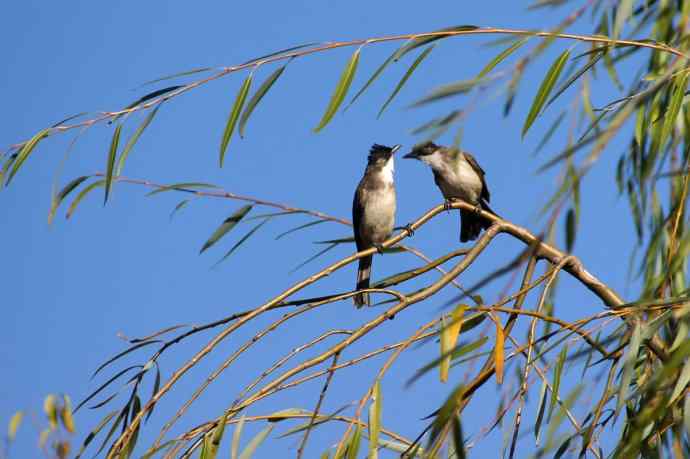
(70, 288)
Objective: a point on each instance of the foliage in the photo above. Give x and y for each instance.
(638, 348)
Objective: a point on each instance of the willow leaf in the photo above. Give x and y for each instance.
(147, 97)
(566, 84)
(185, 186)
(415, 43)
(340, 90)
(373, 77)
(629, 362)
(14, 425)
(235, 445)
(258, 95)
(557, 377)
(315, 256)
(406, 77)
(254, 443)
(499, 352)
(58, 198)
(375, 420)
(353, 446)
(180, 205)
(501, 57)
(234, 115)
(297, 228)
(228, 224)
(282, 51)
(676, 103)
(623, 12)
(110, 165)
(82, 194)
(242, 240)
(89, 438)
(546, 86)
(177, 75)
(133, 139)
(24, 152)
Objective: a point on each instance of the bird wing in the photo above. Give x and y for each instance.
(357, 212)
(480, 172)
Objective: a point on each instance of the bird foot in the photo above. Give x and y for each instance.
(408, 228)
(477, 209)
(379, 248)
(448, 205)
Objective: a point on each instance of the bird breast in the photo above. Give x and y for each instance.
(460, 181)
(379, 212)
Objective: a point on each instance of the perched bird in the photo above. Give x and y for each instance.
(458, 176)
(373, 211)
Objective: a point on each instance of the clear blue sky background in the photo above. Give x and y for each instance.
(70, 288)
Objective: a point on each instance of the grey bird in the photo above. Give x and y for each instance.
(373, 211)
(458, 176)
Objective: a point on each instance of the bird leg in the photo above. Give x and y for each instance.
(379, 248)
(448, 204)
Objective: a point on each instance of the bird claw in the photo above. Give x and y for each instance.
(408, 228)
(379, 248)
(448, 205)
(477, 209)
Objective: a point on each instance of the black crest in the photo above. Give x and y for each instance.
(425, 148)
(378, 152)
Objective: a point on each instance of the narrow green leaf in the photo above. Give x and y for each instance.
(258, 95)
(89, 438)
(122, 354)
(315, 256)
(15, 421)
(282, 51)
(375, 420)
(340, 90)
(623, 12)
(242, 240)
(112, 153)
(180, 205)
(540, 410)
(454, 353)
(566, 84)
(353, 446)
(176, 75)
(154, 391)
(447, 90)
(297, 228)
(629, 362)
(544, 90)
(82, 194)
(570, 230)
(181, 187)
(255, 442)
(557, 373)
(134, 138)
(216, 437)
(147, 97)
(24, 152)
(458, 440)
(406, 77)
(501, 57)
(66, 414)
(415, 43)
(228, 224)
(235, 446)
(552, 130)
(373, 77)
(681, 384)
(57, 199)
(234, 115)
(677, 96)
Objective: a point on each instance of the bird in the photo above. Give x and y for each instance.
(458, 175)
(373, 211)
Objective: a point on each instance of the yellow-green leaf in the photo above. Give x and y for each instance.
(82, 194)
(181, 187)
(449, 337)
(557, 377)
(50, 409)
(234, 115)
(228, 224)
(499, 351)
(254, 443)
(242, 240)
(66, 414)
(375, 420)
(353, 446)
(415, 43)
(258, 95)
(501, 57)
(15, 421)
(235, 446)
(135, 137)
(58, 198)
(24, 152)
(373, 77)
(623, 11)
(110, 165)
(545, 89)
(677, 96)
(340, 90)
(405, 77)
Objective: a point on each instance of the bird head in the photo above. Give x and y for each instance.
(422, 150)
(379, 155)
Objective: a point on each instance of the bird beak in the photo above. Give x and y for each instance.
(411, 155)
(395, 148)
